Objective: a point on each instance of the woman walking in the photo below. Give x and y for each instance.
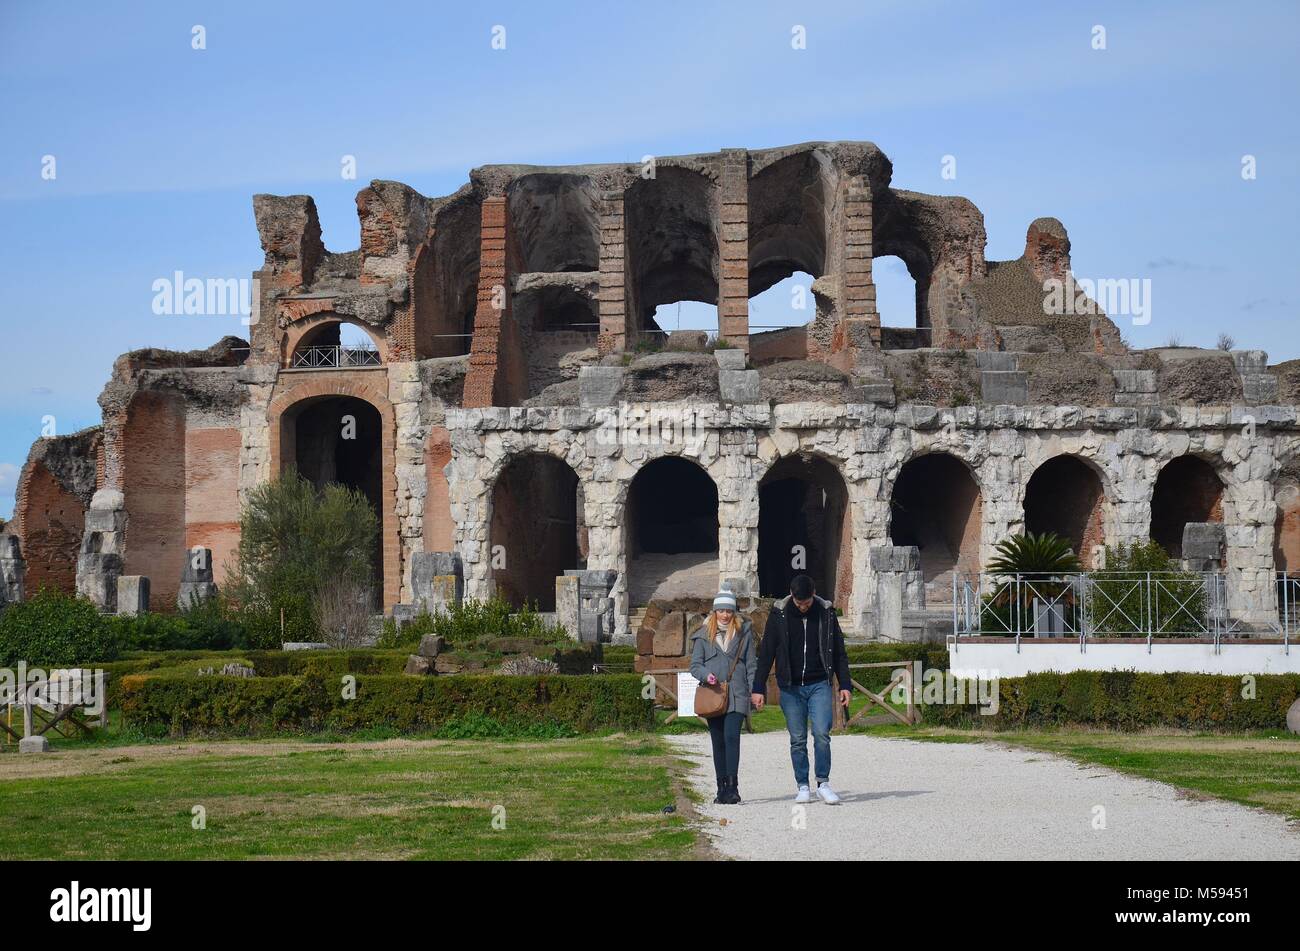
(722, 652)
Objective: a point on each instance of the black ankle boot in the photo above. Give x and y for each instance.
(721, 797)
(730, 795)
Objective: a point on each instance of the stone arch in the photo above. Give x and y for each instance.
(534, 523)
(556, 222)
(803, 501)
(1187, 489)
(1066, 494)
(790, 213)
(936, 503)
(671, 530)
(283, 416)
(323, 330)
(672, 242)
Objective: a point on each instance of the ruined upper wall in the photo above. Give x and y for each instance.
(533, 270)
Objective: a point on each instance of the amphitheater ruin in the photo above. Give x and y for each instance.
(519, 413)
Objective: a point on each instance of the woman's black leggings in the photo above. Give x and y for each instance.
(724, 731)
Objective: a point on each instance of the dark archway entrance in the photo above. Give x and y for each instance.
(1187, 490)
(339, 439)
(534, 533)
(672, 532)
(936, 506)
(803, 528)
(1065, 495)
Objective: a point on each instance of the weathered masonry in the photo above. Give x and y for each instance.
(513, 400)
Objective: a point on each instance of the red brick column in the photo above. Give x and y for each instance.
(733, 249)
(613, 301)
(862, 321)
(494, 363)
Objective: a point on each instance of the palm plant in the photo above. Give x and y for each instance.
(1031, 554)
(1034, 562)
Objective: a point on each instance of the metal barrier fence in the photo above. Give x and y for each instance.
(1101, 604)
(319, 358)
(1288, 602)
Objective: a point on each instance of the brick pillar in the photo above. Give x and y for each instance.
(861, 320)
(487, 351)
(733, 249)
(613, 301)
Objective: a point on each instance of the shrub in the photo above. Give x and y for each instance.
(472, 624)
(205, 625)
(54, 629)
(1173, 604)
(236, 706)
(1127, 700)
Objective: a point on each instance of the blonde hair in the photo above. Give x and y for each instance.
(711, 625)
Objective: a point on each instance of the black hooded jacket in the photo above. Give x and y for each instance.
(775, 646)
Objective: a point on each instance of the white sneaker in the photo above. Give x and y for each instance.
(827, 795)
(803, 795)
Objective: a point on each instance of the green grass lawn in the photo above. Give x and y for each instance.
(588, 798)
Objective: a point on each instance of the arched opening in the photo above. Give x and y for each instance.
(672, 248)
(444, 285)
(1064, 496)
(534, 531)
(900, 303)
(936, 505)
(335, 344)
(556, 223)
(803, 528)
(1187, 490)
(671, 523)
(559, 327)
(789, 232)
(339, 439)
(902, 271)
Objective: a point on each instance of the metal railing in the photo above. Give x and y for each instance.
(334, 358)
(1099, 605)
(1288, 603)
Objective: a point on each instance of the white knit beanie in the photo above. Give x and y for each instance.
(724, 600)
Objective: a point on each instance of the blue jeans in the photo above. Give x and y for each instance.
(801, 704)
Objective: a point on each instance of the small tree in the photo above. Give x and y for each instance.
(296, 544)
(1225, 342)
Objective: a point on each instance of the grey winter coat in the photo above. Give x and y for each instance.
(708, 659)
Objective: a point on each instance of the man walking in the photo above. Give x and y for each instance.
(804, 639)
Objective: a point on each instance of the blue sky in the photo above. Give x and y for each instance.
(1137, 148)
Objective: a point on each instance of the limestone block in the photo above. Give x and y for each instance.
(894, 558)
(740, 386)
(599, 386)
(132, 595)
(730, 358)
(1004, 387)
(1203, 541)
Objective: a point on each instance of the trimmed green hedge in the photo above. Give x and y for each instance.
(458, 705)
(1127, 700)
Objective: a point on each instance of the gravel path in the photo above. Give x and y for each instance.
(905, 799)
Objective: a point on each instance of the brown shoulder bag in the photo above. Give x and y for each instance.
(711, 699)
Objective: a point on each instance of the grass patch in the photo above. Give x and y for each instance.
(587, 798)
